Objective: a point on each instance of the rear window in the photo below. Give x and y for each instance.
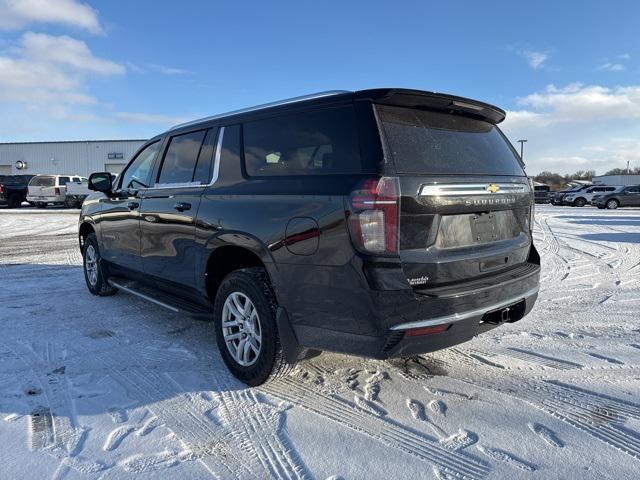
(63, 180)
(427, 142)
(43, 181)
(321, 142)
(181, 157)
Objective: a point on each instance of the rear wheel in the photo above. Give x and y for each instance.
(14, 201)
(95, 273)
(613, 204)
(41, 205)
(245, 323)
(580, 202)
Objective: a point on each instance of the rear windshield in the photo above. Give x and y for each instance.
(427, 142)
(43, 181)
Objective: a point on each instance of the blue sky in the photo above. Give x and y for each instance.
(568, 73)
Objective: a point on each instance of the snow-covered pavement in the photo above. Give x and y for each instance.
(116, 387)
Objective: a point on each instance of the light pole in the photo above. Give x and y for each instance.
(521, 142)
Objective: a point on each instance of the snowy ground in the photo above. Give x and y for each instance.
(115, 387)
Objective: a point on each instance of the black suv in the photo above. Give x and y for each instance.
(380, 223)
(625, 197)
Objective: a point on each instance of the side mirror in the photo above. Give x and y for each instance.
(100, 182)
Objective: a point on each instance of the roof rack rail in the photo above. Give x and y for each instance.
(302, 98)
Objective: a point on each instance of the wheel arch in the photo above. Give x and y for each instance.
(84, 230)
(232, 251)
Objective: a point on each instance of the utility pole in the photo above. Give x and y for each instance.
(628, 171)
(521, 142)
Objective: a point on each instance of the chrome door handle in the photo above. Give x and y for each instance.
(132, 205)
(182, 206)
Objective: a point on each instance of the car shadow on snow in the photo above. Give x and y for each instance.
(70, 353)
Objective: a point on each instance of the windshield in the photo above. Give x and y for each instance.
(427, 142)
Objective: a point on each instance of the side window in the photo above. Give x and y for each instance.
(180, 158)
(202, 174)
(312, 143)
(62, 181)
(137, 173)
(633, 190)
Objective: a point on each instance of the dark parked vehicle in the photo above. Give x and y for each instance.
(379, 223)
(13, 189)
(542, 193)
(558, 197)
(625, 197)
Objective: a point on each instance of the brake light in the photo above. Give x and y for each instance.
(374, 215)
(57, 190)
(1, 188)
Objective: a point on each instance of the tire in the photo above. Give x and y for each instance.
(580, 202)
(69, 204)
(97, 284)
(253, 354)
(41, 205)
(612, 204)
(14, 201)
(600, 207)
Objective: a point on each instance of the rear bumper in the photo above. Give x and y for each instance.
(387, 328)
(45, 199)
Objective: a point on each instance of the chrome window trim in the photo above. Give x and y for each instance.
(457, 317)
(458, 189)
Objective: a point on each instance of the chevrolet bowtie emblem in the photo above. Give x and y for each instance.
(493, 188)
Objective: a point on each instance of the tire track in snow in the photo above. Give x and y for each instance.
(377, 428)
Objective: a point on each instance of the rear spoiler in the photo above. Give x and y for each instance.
(431, 100)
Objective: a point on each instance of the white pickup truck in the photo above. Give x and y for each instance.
(77, 191)
(52, 189)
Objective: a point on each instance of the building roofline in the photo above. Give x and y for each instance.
(76, 141)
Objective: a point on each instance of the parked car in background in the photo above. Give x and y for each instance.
(380, 223)
(542, 193)
(77, 191)
(49, 189)
(13, 189)
(583, 197)
(624, 197)
(558, 197)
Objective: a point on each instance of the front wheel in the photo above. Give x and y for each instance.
(245, 323)
(612, 204)
(95, 273)
(580, 202)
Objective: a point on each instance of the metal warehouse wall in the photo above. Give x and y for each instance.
(74, 158)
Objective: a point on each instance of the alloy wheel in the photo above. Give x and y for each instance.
(241, 329)
(91, 265)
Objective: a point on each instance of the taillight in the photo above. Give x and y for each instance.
(57, 190)
(1, 188)
(374, 216)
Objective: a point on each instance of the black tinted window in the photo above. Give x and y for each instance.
(440, 143)
(63, 180)
(202, 173)
(181, 157)
(313, 143)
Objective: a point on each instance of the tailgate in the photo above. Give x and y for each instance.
(457, 231)
(466, 203)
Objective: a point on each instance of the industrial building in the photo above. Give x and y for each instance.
(71, 158)
(625, 180)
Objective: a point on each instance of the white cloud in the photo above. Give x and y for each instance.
(578, 127)
(151, 118)
(17, 14)
(157, 68)
(576, 103)
(67, 51)
(48, 70)
(623, 56)
(611, 67)
(536, 60)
